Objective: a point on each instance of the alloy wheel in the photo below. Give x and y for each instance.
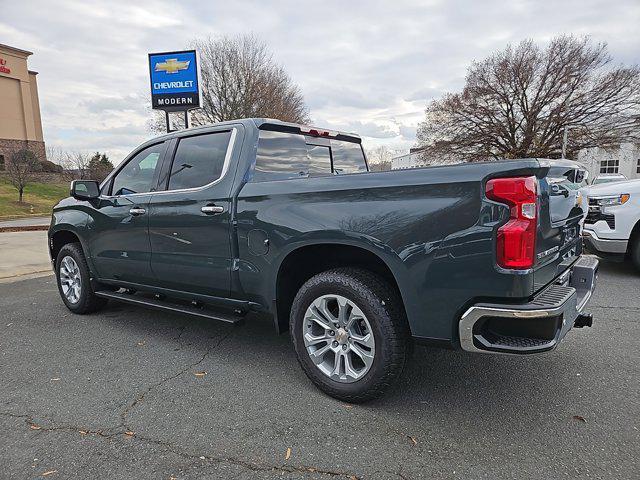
(70, 279)
(338, 338)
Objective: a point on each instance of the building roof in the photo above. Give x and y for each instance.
(15, 50)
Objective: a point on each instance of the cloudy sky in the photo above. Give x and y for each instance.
(368, 67)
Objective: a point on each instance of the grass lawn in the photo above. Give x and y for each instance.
(41, 196)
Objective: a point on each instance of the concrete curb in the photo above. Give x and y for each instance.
(26, 276)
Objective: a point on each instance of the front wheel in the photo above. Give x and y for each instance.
(634, 250)
(350, 333)
(73, 277)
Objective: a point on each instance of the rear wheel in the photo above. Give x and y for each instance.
(350, 333)
(73, 278)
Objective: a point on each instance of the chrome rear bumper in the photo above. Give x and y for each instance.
(533, 327)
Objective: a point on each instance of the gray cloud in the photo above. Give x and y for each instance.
(423, 94)
(366, 66)
(101, 104)
(368, 129)
(408, 133)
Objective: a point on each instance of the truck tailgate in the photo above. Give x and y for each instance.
(558, 243)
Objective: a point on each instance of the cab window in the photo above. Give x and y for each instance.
(347, 157)
(285, 155)
(199, 160)
(137, 176)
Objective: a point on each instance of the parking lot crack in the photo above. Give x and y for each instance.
(13, 415)
(181, 331)
(33, 425)
(141, 396)
(615, 307)
(113, 434)
(253, 466)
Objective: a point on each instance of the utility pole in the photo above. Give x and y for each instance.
(564, 142)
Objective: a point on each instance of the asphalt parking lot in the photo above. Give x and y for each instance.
(133, 393)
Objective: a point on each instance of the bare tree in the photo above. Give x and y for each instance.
(379, 158)
(240, 79)
(518, 102)
(22, 166)
(158, 124)
(56, 154)
(78, 165)
(75, 165)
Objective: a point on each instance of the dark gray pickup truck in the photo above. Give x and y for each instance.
(262, 216)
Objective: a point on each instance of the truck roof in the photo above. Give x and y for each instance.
(562, 162)
(261, 123)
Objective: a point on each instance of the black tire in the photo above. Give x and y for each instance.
(87, 302)
(634, 250)
(383, 309)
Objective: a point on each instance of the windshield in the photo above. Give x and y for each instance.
(570, 177)
(600, 180)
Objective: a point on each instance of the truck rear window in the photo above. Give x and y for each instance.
(283, 155)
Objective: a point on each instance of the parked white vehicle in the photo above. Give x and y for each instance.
(608, 178)
(612, 223)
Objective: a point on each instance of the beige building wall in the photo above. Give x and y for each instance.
(20, 122)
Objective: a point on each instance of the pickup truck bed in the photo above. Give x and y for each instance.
(295, 227)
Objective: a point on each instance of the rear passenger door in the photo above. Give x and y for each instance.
(189, 220)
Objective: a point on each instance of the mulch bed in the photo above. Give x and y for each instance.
(31, 228)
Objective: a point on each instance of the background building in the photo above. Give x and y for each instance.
(408, 160)
(624, 160)
(20, 123)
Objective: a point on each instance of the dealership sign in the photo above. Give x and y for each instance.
(175, 80)
(3, 66)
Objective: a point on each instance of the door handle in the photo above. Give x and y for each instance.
(135, 211)
(212, 209)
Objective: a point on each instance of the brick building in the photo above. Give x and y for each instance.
(20, 123)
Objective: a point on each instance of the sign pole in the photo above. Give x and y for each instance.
(186, 119)
(166, 116)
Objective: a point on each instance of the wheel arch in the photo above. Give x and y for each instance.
(635, 234)
(62, 234)
(59, 239)
(68, 222)
(302, 262)
(633, 245)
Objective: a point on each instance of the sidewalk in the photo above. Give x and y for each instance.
(23, 255)
(26, 222)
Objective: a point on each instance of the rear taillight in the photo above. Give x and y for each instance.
(516, 239)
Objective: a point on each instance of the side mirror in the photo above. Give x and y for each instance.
(85, 189)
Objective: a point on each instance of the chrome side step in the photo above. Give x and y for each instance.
(161, 304)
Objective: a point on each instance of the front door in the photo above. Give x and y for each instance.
(119, 227)
(189, 222)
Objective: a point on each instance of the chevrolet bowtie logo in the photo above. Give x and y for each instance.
(172, 65)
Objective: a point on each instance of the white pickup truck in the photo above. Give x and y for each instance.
(612, 224)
